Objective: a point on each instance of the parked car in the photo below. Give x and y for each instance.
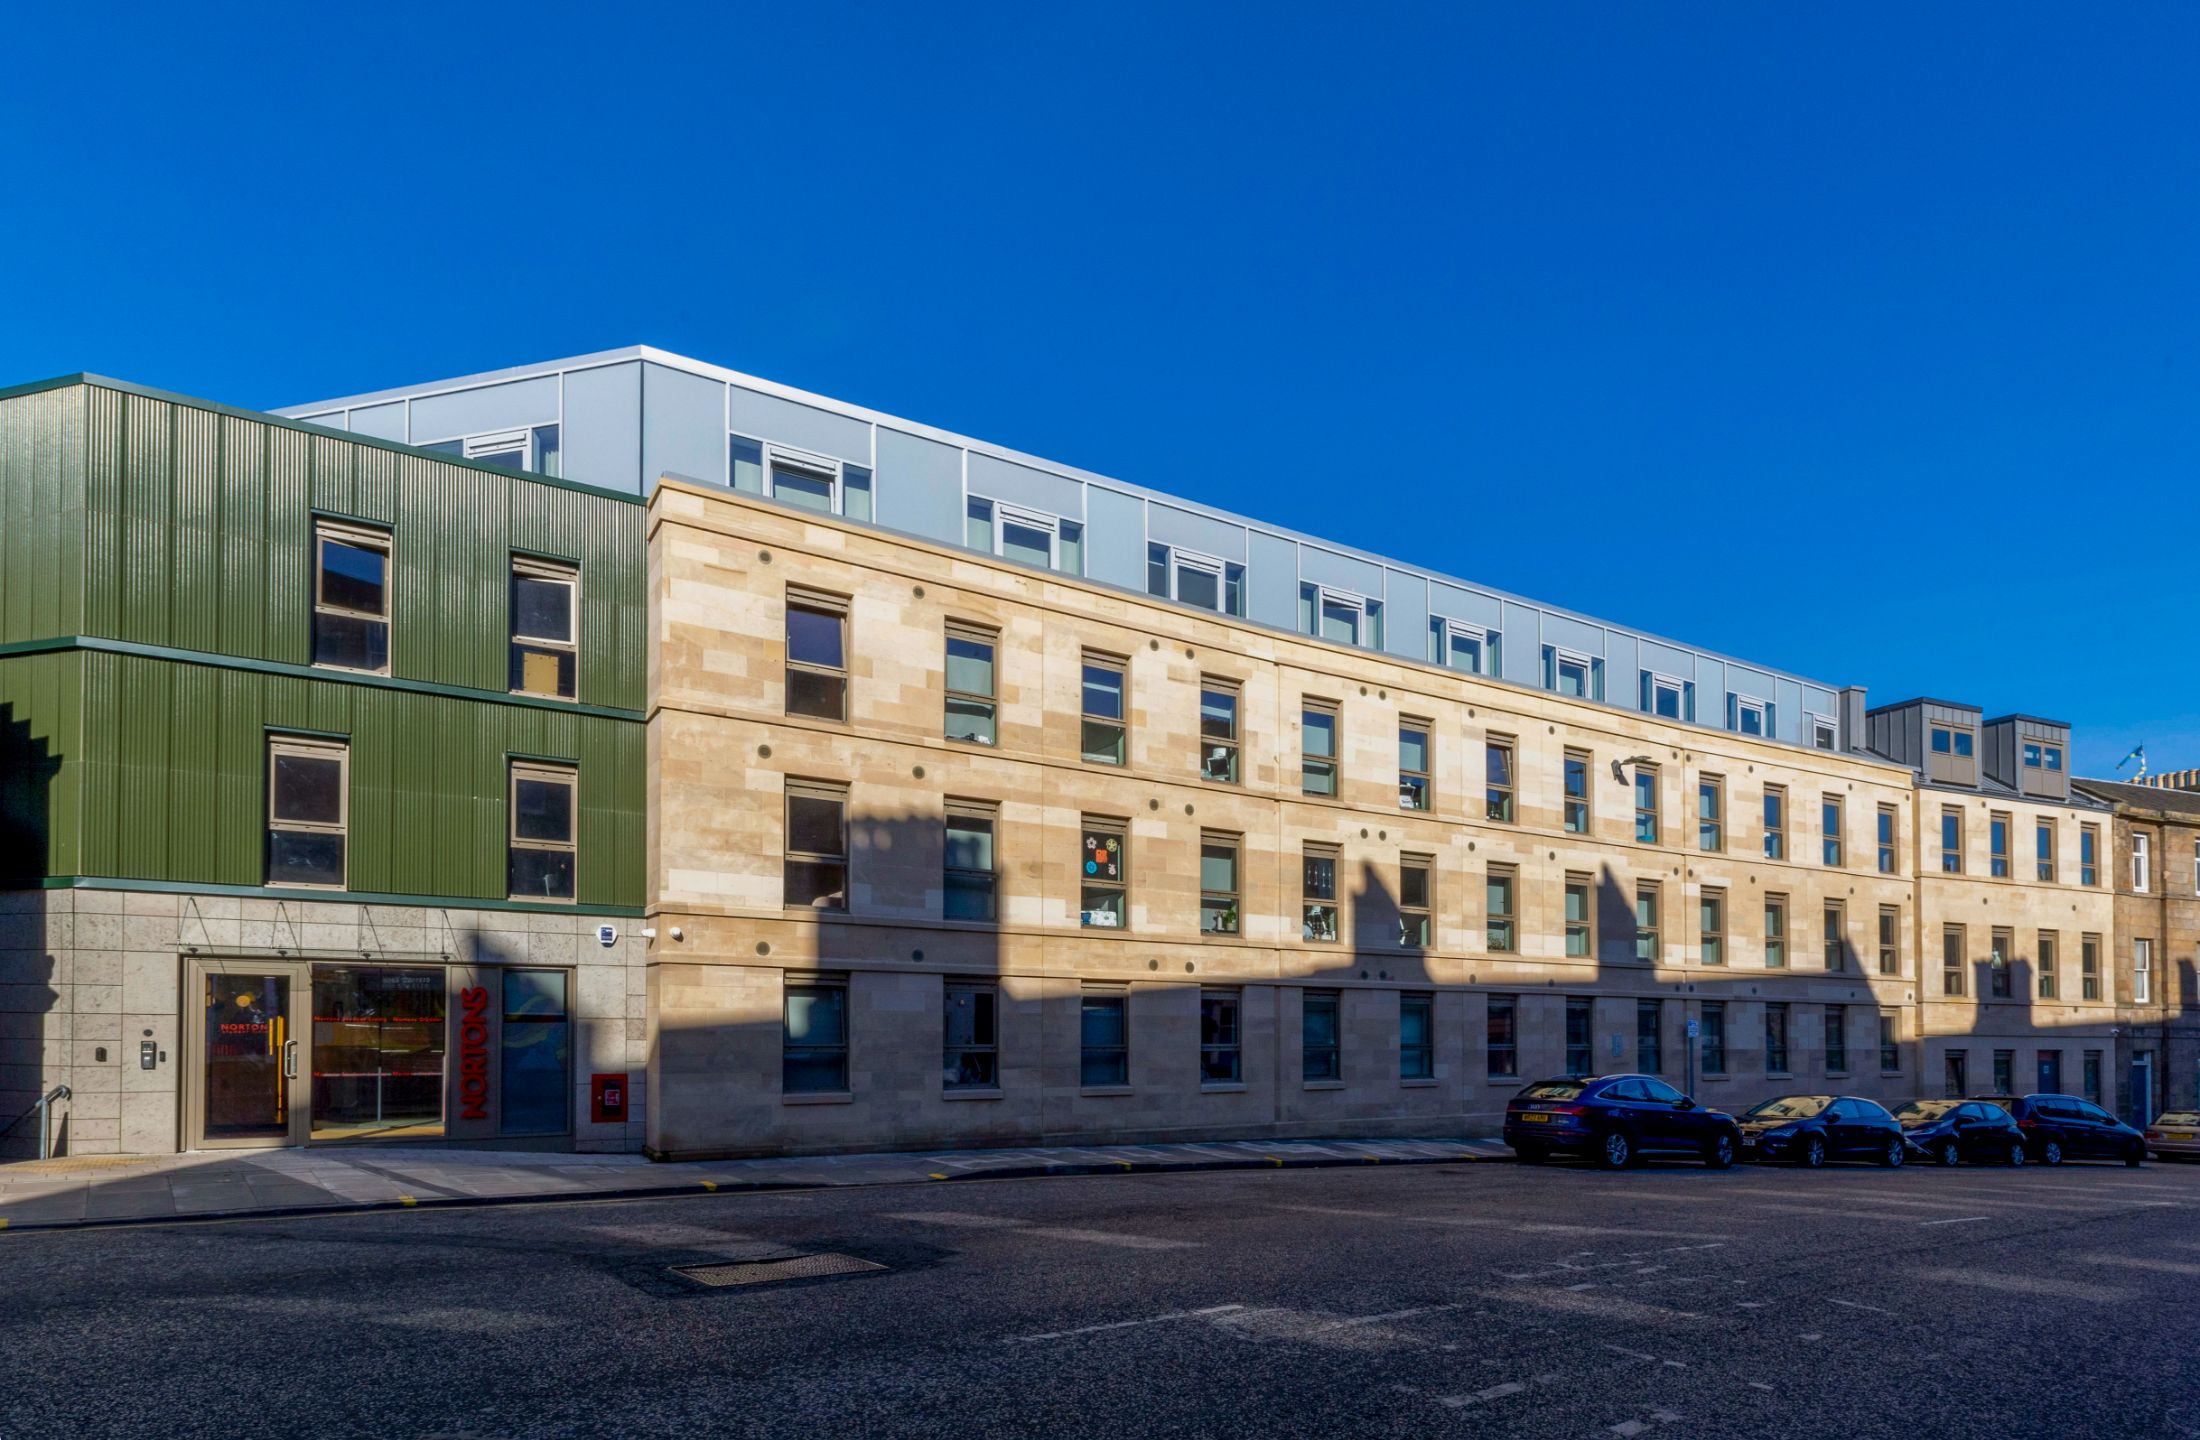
(1809, 1130)
(2063, 1127)
(2175, 1134)
(1617, 1120)
(1949, 1131)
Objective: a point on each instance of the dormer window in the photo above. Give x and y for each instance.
(1025, 536)
(798, 478)
(1745, 716)
(1573, 674)
(534, 449)
(2041, 756)
(1196, 580)
(1949, 740)
(1341, 616)
(1667, 697)
(1822, 733)
(1457, 645)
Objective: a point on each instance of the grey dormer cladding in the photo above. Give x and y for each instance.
(629, 416)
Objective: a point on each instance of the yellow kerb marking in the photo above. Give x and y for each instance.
(937, 1176)
(407, 1200)
(710, 1184)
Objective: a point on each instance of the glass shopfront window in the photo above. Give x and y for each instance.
(379, 1035)
(535, 1079)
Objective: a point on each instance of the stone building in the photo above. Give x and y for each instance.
(2156, 865)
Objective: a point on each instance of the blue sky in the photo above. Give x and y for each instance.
(1854, 340)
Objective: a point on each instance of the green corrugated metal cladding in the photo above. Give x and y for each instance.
(133, 519)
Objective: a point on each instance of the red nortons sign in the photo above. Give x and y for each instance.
(473, 1053)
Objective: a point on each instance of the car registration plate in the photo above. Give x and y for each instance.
(1535, 1117)
(2178, 1134)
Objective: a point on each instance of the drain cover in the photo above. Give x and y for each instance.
(764, 1272)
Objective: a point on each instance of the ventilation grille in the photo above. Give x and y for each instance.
(766, 1272)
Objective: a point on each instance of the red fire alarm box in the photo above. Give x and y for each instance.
(607, 1098)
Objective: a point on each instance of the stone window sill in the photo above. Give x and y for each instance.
(1106, 1090)
(1324, 1084)
(820, 1097)
(1423, 1084)
(973, 1093)
(1223, 1087)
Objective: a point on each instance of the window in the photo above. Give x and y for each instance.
(1951, 841)
(745, 464)
(351, 597)
(1837, 1039)
(1664, 696)
(1887, 858)
(1576, 808)
(1416, 901)
(2142, 972)
(1948, 740)
(1104, 734)
(817, 655)
(1580, 1037)
(1498, 771)
(970, 1048)
(1890, 1044)
(1951, 960)
(1580, 938)
(2054, 757)
(1104, 1042)
(1837, 935)
(1460, 646)
(817, 845)
(1997, 964)
(2089, 967)
(308, 811)
(1890, 940)
(1218, 730)
(2040, 756)
(1568, 672)
(541, 848)
(1776, 932)
(797, 478)
(1646, 804)
(1997, 845)
(813, 1055)
(1200, 581)
(1710, 813)
(1503, 1036)
(1221, 1042)
(1318, 748)
(1416, 1037)
(970, 881)
(1318, 1054)
(1745, 716)
(2043, 850)
(1318, 865)
(1714, 1037)
(1776, 801)
(2089, 853)
(1955, 1074)
(1830, 820)
(1218, 884)
(544, 601)
(970, 682)
(2005, 1066)
(1413, 765)
(1341, 616)
(2142, 861)
(533, 449)
(1025, 536)
(535, 1061)
(1105, 868)
(1647, 896)
(1503, 936)
(2092, 1089)
(1711, 925)
(1649, 1036)
(1822, 733)
(2048, 943)
(1776, 1039)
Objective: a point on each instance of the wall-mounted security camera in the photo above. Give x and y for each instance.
(649, 932)
(676, 933)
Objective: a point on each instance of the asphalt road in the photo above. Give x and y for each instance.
(1459, 1299)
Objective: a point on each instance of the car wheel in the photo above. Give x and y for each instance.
(2051, 1152)
(2135, 1155)
(2016, 1154)
(1892, 1158)
(1531, 1154)
(1616, 1151)
(1811, 1154)
(1947, 1154)
(1719, 1154)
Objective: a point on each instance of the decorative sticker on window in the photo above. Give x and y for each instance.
(1103, 856)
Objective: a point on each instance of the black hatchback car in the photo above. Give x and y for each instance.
(2063, 1127)
(1809, 1130)
(1617, 1120)
(1948, 1132)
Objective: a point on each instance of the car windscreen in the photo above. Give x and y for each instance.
(1917, 1112)
(2003, 1103)
(1552, 1090)
(1790, 1107)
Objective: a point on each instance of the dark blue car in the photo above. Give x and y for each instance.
(1616, 1120)
(1949, 1132)
(1809, 1130)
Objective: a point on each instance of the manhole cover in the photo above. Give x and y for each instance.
(764, 1272)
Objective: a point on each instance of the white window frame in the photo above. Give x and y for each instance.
(358, 537)
(1746, 705)
(2142, 971)
(1812, 720)
(2142, 863)
(771, 456)
(313, 747)
(1325, 595)
(1005, 515)
(1214, 565)
(568, 574)
(524, 441)
(1561, 657)
(1679, 687)
(1461, 630)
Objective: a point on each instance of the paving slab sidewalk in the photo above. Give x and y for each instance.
(72, 1193)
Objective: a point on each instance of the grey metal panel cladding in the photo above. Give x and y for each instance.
(1522, 653)
(1208, 536)
(1667, 661)
(1820, 701)
(1115, 536)
(1344, 572)
(1048, 494)
(1471, 606)
(1753, 683)
(1787, 721)
(919, 486)
(804, 427)
(1622, 674)
(1272, 580)
(1710, 692)
(383, 422)
(1573, 635)
(683, 426)
(602, 436)
(491, 407)
(1405, 615)
(333, 419)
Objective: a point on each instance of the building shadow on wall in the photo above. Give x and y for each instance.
(29, 969)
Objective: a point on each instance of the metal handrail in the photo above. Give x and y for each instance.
(43, 1109)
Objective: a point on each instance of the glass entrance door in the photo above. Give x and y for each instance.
(248, 1044)
(378, 1051)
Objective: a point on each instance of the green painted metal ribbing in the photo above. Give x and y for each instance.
(41, 513)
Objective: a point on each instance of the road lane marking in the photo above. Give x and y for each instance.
(959, 1219)
(1858, 1305)
(2025, 1285)
(1957, 1220)
(1208, 1313)
(2141, 1262)
(1109, 1237)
